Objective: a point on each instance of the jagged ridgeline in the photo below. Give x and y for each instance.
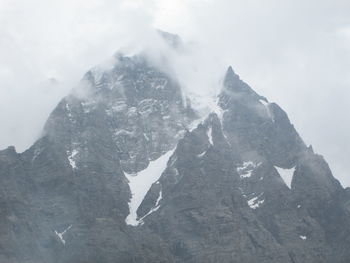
(126, 171)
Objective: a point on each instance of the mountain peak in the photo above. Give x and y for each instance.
(125, 172)
(237, 89)
(230, 76)
(230, 70)
(172, 40)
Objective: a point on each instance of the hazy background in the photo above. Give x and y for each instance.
(296, 53)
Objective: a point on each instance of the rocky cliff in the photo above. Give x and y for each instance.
(125, 172)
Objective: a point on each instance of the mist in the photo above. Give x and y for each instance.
(295, 53)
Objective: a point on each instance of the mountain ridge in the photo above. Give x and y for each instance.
(216, 189)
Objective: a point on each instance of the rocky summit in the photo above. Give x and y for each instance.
(127, 171)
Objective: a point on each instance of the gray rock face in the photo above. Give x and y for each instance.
(240, 187)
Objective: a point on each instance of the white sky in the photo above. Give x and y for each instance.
(296, 53)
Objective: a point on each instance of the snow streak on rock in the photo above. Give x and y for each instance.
(210, 136)
(245, 171)
(254, 202)
(155, 208)
(201, 154)
(268, 111)
(141, 182)
(60, 234)
(71, 158)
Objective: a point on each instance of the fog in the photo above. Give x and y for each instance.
(295, 53)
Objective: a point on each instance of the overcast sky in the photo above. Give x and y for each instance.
(296, 53)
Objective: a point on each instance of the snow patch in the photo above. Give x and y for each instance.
(210, 135)
(159, 198)
(254, 202)
(286, 174)
(60, 234)
(71, 158)
(245, 171)
(217, 109)
(265, 103)
(132, 112)
(267, 107)
(37, 152)
(141, 182)
(146, 137)
(88, 106)
(69, 112)
(194, 124)
(122, 132)
(120, 77)
(201, 154)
